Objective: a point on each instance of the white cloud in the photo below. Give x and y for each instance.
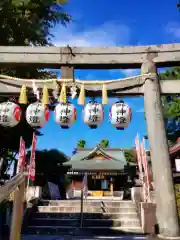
(108, 34)
(131, 72)
(141, 110)
(173, 29)
(125, 72)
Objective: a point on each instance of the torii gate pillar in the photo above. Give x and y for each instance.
(167, 217)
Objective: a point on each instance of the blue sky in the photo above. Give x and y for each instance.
(110, 23)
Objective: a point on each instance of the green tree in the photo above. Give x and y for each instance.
(172, 74)
(49, 168)
(81, 143)
(104, 143)
(49, 162)
(130, 155)
(26, 23)
(171, 106)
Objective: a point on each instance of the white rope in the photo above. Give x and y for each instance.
(111, 81)
(28, 80)
(71, 80)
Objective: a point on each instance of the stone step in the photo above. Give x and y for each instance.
(54, 222)
(124, 222)
(86, 215)
(69, 209)
(65, 203)
(86, 231)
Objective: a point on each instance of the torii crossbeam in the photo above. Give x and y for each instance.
(91, 57)
(148, 58)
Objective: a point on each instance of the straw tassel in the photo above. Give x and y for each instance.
(81, 99)
(62, 97)
(104, 95)
(23, 95)
(45, 96)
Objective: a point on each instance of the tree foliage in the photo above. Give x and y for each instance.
(130, 155)
(49, 161)
(171, 107)
(173, 74)
(49, 168)
(81, 143)
(104, 143)
(27, 23)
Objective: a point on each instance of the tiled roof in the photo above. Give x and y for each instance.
(113, 160)
(105, 149)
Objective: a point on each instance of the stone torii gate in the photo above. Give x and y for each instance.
(148, 58)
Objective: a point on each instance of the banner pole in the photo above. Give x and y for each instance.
(31, 158)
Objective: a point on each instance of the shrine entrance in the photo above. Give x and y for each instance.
(148, 58)
(102, 173)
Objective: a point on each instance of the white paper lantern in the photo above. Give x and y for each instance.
(10, 114)
(65, 114)
(93, 114)
(37, 114)
(120, 115)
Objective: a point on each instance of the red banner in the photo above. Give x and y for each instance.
(138, 152)
(32, 165)
(22, 156)
(145, 166)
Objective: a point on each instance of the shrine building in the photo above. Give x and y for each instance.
(104, 171)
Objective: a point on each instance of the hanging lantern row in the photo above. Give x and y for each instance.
(37, 114)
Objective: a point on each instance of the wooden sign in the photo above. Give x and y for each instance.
(177, 163)
(99, 176)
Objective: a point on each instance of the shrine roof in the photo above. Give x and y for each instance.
(175, 148)
(88, 159)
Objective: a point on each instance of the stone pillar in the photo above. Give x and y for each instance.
(148, 217)
(164, 189)
(67, 73)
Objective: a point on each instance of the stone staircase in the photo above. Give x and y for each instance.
(107, 217)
